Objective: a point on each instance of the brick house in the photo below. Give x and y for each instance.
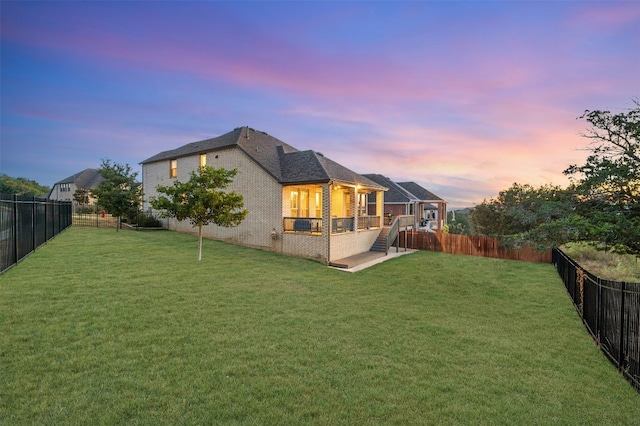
(409, 198)
(300, 202)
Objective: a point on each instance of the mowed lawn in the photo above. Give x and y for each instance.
(106, 327)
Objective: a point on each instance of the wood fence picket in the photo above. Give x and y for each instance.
(472, 245)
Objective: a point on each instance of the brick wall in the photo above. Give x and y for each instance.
(262, 197)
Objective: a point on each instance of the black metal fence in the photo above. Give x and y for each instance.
(28, 222)
(611, 312)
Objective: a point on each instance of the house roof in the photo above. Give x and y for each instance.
(420, 192)
(282, 161)
(86, 179)
(396, 193)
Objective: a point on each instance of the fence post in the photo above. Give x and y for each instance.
(33, 222)
(15, 229)
(621, 353)
(599, 312)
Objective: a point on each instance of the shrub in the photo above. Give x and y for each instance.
(86, 209)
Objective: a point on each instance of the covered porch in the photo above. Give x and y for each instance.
(331, 217)
(332, 208)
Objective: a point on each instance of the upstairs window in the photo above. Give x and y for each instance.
(203, 160)
(173, 168)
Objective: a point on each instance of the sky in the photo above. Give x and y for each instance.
(463, 97)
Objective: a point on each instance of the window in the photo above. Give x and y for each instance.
(362, 204)
(299, 202)
(319, 202)
(294, 203)
(203, 160)
(64, 187)
(173, 168)
(304, 203)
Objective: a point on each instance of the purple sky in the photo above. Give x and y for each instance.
(464, 98)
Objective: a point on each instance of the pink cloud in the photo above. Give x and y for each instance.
(606, 16)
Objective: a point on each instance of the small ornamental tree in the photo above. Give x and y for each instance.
(202, 200)
(119, 193)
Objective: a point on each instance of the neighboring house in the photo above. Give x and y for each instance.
(409, 198)
(65, 189)
(432, 207)
(300, 202)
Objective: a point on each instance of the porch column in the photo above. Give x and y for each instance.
(326, 220)
(442, 215)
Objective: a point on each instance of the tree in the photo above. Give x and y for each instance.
(522, 214)
(458, 221)
(81, 196)
(119, 193)
(608, 184)
(21, 186)
(202, 200)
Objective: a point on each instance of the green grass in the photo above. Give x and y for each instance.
(605, 264)
(105, 327)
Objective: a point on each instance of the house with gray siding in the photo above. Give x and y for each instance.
(64, 189)
(300, 203)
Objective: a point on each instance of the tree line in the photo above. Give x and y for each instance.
(600, 206)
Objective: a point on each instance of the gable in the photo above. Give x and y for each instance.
(86, 179)
(285, 163)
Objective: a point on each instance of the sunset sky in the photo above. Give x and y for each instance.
(463, 97)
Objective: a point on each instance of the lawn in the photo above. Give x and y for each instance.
(106, 327)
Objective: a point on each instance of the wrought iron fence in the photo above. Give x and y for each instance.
(28, 222)
(610, 310)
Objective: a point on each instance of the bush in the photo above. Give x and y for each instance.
(145, 220)
(86, 209)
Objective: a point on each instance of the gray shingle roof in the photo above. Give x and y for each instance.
(420, 192)
(259, 146)
(86, 179)
(396, 193)
(282, 161)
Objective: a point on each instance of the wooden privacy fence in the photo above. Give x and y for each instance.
(610, 310)
(473, 245)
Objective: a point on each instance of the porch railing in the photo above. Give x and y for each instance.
(341, 224)
(394, 230)
(368, 222)
(303, 224)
